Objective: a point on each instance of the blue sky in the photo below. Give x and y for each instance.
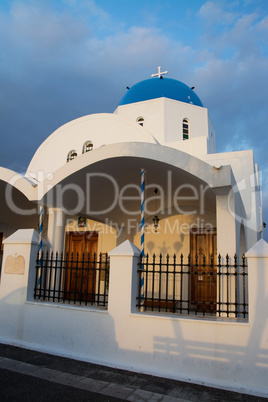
(64, 59)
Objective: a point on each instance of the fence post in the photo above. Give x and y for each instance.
(258, 283)
(257, 344)
(19, 259)
(17, 280)
(123, 279)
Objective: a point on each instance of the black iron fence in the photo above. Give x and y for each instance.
(215, 288)
(82, 280)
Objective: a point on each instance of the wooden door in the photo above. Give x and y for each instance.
(203, 285)
(81, 272)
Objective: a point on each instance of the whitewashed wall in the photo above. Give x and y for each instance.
(163, 119)
(101, 129)
(223, 353)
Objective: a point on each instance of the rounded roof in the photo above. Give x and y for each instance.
(158, 88)
(101, 129)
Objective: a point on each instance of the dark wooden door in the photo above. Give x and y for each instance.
(203, 286)
(81, 273)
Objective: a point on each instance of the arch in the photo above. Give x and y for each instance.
(72, 135)
(71, 155)
(140, 120)
(185, 129)
(131, 152)
(113, 167)
(88, 146)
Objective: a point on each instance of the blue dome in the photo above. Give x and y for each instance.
(158, 88)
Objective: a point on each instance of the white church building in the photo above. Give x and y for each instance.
(82, 194)
(86, 175)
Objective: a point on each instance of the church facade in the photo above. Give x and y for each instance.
(86, 178)
(147, 176)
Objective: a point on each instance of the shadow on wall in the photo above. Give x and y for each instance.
(163, 248)
(235, 353)
(224, 353)
(73, 331)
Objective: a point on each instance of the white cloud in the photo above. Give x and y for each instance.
(58, 65)
(213, 13)
(263, 25)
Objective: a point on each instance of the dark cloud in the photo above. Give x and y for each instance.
(59, 63)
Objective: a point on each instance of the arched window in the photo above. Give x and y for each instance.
(71, 155)
(88, 146)
(140, 121)
(185, 129)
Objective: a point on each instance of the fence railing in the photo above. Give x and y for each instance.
(82, 280)
(215, 288)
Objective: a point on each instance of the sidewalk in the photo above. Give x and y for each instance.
(28, 375)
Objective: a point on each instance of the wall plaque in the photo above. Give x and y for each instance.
(15, 265)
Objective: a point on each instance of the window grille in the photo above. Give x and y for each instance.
(193, 288)
(140, 121)
(185, 129)
(71, 155)
(72, 280)
(88, 146)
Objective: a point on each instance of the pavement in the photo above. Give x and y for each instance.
(27, 375)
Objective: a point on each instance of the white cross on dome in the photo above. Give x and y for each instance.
(159, 74)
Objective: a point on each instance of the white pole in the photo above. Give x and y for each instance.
(41, 212)
(142, 228)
